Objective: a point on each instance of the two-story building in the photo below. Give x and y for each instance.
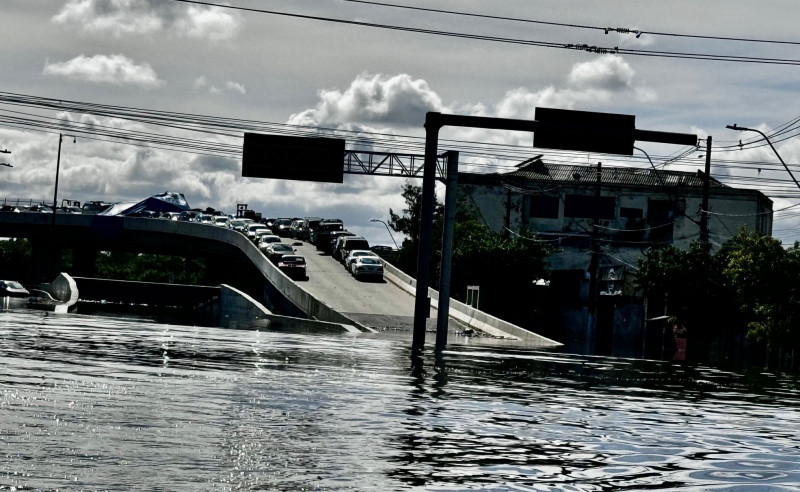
(601, 219)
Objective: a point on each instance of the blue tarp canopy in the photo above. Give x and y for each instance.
(164, 202)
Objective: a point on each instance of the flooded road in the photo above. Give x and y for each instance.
(105, 403)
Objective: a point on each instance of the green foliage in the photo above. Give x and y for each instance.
(15, 259)
(409, 224)
(765, 276)
(499, 263)
(150, 268)
(483, 257)
(749, 286)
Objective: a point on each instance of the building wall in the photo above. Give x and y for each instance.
(635, 218)
(622, 237)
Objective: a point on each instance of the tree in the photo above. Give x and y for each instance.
(504, 266)
(749, 286)
(764, 276)
(409, 224)
(15, 259)
(151, 268)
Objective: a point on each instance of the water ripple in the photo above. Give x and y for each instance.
(116, 403)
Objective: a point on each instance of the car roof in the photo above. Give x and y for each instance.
(371, 258)
(365, 251)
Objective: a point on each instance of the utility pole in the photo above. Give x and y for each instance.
(593, 264)
(704, 237)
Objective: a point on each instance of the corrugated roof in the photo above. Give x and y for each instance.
(567, 173)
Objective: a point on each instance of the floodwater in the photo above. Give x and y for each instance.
(112, 403)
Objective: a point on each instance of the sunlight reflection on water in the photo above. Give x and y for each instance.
(114, 404)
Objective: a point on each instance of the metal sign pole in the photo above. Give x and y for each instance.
(421, 302)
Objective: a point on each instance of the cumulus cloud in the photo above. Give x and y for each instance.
(201, 83)
(599, 81)
(139, 17)
(610, 73)
(235, 87)
(105, 69)
(395, 100)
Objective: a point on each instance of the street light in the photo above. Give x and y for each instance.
(388, 230)
(58, 166)
(745, 129)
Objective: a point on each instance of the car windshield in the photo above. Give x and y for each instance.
(13, 284)
(366, 260)
(279, 247)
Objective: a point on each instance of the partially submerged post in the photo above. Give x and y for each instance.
(559, 129)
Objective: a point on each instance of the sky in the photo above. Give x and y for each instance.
(373, 70)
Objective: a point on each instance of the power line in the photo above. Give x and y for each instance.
(621, 30)
(526, 42)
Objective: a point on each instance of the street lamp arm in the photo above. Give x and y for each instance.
(388, 230)
(745, 129)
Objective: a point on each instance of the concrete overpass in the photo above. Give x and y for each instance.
(330, 293)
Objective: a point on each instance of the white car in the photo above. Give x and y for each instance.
(367, 266)
(240, 224)
(206, 219)
(252, 229)
(264, 240)
(351, 257)
(222, 221)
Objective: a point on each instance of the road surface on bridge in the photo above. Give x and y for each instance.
(374, 303)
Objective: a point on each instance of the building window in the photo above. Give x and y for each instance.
(584, 206)
(543, 207)
(631, 213)
(660, 212)
(660, 218)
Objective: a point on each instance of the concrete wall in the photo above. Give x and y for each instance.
(239, 310)
(468, 315)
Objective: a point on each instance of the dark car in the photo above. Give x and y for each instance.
(12, 288)
(347, 244)
(281, 227)
(321, 236)
(41, 208)
(275, 251)
(293, 265)
(332, 238)
(309, 224)
(295, 229)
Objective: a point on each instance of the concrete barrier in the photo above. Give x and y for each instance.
(279, 283)
(466, 314)
(239, 310)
